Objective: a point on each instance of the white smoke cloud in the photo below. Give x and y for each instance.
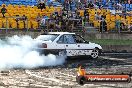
(19, 52)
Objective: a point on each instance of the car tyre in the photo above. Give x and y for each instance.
(62, 53)
(95, 53)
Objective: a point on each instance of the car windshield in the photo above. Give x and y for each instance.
(47, 37)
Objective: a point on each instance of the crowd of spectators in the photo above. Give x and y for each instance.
(68, 21)
(69, 18)
(64, 20)
(3, 10)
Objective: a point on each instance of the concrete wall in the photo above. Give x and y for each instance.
(19, 32)
(118, 48)
(86, 35)
(108, 36)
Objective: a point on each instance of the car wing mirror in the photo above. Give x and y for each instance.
(86, 41)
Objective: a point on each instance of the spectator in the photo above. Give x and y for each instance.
(64, 14)
(78, 15)
(3, 10)
(119, 6)
(117, 24)
(103, 26)
(86, 15)
(17, 19)
(130, 27)
(24, 18)
(38, 19)
(97, 16)
(63, 23)
(122, 26)
(41, 6)
(103, 16)
(60, 20)
(98, 4)
(90, 5)
(57, 22)
(50, 4)
(66, 5)
(70, 3)
(71, 15)
(43, 21)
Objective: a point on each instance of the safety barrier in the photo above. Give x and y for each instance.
(13, 22)
(23, 23)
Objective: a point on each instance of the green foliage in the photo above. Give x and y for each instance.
(112, 42)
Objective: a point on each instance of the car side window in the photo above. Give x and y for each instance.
(78, 39)
(61, 39)
(69, 39)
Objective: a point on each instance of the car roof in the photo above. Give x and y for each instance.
(58, 33)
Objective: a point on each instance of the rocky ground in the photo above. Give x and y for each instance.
(64, 76)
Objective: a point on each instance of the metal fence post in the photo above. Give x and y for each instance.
(82, 26)
(54, 27)
(6, 25)
(48, 26)
(102, 26)
(119, 28)
(27, 24)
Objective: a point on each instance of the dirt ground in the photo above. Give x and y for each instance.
(64, 76)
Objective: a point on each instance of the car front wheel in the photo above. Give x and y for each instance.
(95, 53)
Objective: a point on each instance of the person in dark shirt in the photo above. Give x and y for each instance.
(103, 16)
(85, 12)
(3, 10)
(131, 2)
(41, 6)
(90, 5)
(78, 15)
(86, 15)
(130, 27)
(70, 3)
(103, 26)
(24, 18)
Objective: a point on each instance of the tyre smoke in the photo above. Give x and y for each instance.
(20, 52)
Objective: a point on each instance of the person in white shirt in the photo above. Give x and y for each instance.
(130, 27)
(97, 16)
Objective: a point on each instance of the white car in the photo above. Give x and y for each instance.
(69, 44)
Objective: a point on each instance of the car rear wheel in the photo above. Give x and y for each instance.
(62, 53)
(95, 53)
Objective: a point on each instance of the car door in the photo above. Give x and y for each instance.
(70, 45)
(84, 48)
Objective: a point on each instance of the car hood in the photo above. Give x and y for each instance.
(95, 45)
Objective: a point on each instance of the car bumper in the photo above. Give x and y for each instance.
(50, 51)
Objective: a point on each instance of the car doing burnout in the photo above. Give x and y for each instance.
(69, 44)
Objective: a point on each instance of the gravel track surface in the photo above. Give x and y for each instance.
(64, 76)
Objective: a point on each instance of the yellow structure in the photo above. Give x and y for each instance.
(30, 12)
(110, 18)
